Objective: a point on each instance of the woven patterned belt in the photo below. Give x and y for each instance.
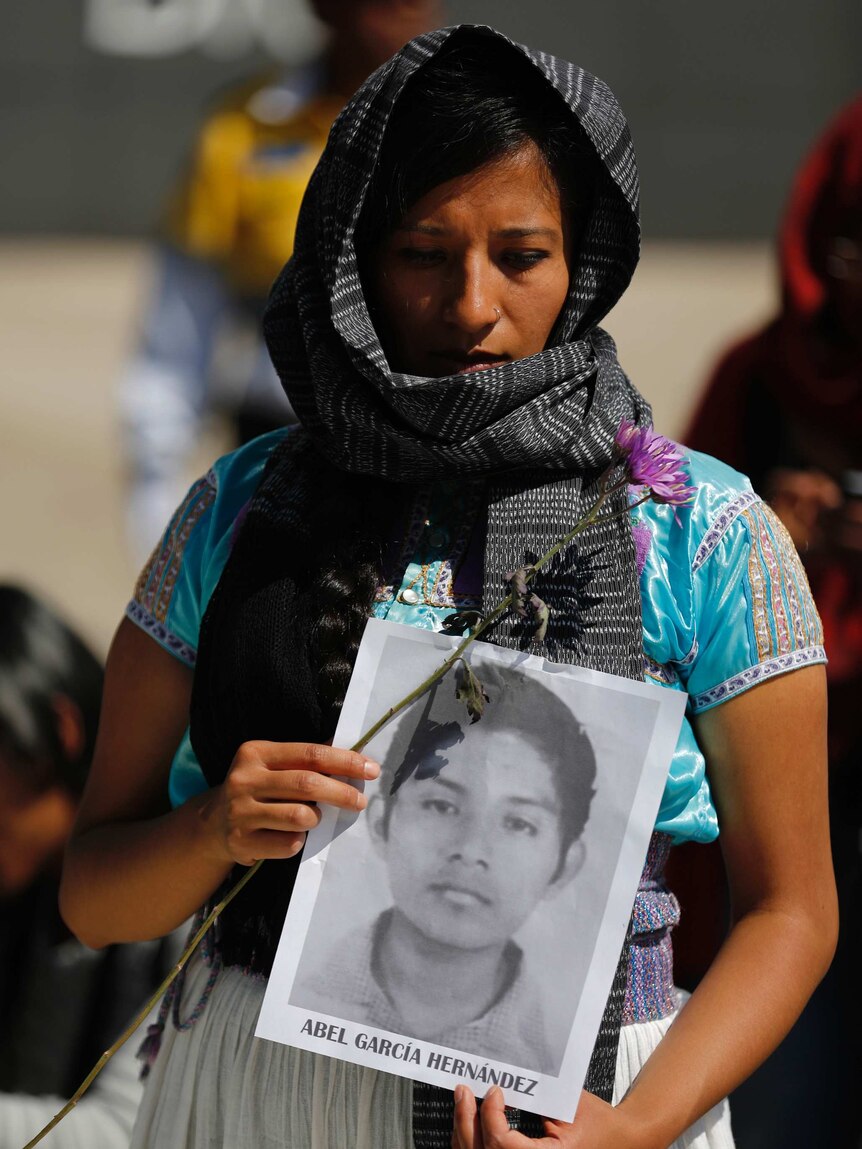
(650, 993)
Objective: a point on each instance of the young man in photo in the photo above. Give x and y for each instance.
(477, 827)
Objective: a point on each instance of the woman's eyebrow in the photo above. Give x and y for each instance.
(502, 233)
(424, 228)
(525, 232)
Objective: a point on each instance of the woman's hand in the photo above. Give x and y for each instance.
(597, 1126)
(135, 868)
(272, 793)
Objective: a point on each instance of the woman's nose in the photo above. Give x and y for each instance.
(472, 305)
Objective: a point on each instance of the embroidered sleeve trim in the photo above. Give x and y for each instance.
(157, 581)
(691, 656)
(660, 672)
(784, 616)
(760, 673)
(801, 613)
(719, 526)
(157, 630)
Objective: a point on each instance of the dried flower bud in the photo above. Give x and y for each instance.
(541, 616)
(470, 691)
(517, 581)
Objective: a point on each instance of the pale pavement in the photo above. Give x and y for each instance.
(67, 315)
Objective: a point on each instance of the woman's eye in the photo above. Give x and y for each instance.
(440, 806)
(524, 260)
(421, 256)
(514, 824)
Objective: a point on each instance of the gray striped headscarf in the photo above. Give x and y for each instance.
(538, 430)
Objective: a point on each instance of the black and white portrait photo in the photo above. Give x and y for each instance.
(477, 826)
(463, 912)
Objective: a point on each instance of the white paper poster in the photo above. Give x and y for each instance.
(467, 925)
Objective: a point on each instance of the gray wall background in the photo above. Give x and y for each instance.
(723, 100)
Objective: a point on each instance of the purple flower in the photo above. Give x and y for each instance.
(655, 462)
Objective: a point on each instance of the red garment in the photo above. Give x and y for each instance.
(791, 395)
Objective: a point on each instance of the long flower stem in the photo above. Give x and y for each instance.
(588, 519)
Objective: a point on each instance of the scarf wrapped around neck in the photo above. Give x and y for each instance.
(535, 432)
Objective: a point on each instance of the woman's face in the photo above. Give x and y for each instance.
(477, 271)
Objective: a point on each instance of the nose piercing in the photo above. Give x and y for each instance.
(498, 313)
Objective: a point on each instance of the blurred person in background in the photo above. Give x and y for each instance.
(61, 1004)
(785, 406)
(229, 230)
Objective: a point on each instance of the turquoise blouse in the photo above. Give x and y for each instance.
(726, 603)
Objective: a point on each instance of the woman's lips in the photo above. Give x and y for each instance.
(455, 363)
(478, 366)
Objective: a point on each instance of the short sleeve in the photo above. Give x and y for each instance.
(167, 601)
(174, 588)
(755, 615)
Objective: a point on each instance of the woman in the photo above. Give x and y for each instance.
(473, 218)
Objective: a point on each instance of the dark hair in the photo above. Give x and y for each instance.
(517, 701)
(42, 658)
(350, 547)
(472, 104)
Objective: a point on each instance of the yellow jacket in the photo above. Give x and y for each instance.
(238, 204)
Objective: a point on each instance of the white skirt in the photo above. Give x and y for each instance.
(216, 1086)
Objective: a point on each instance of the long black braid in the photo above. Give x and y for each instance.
(345, 592)
(318, 597)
